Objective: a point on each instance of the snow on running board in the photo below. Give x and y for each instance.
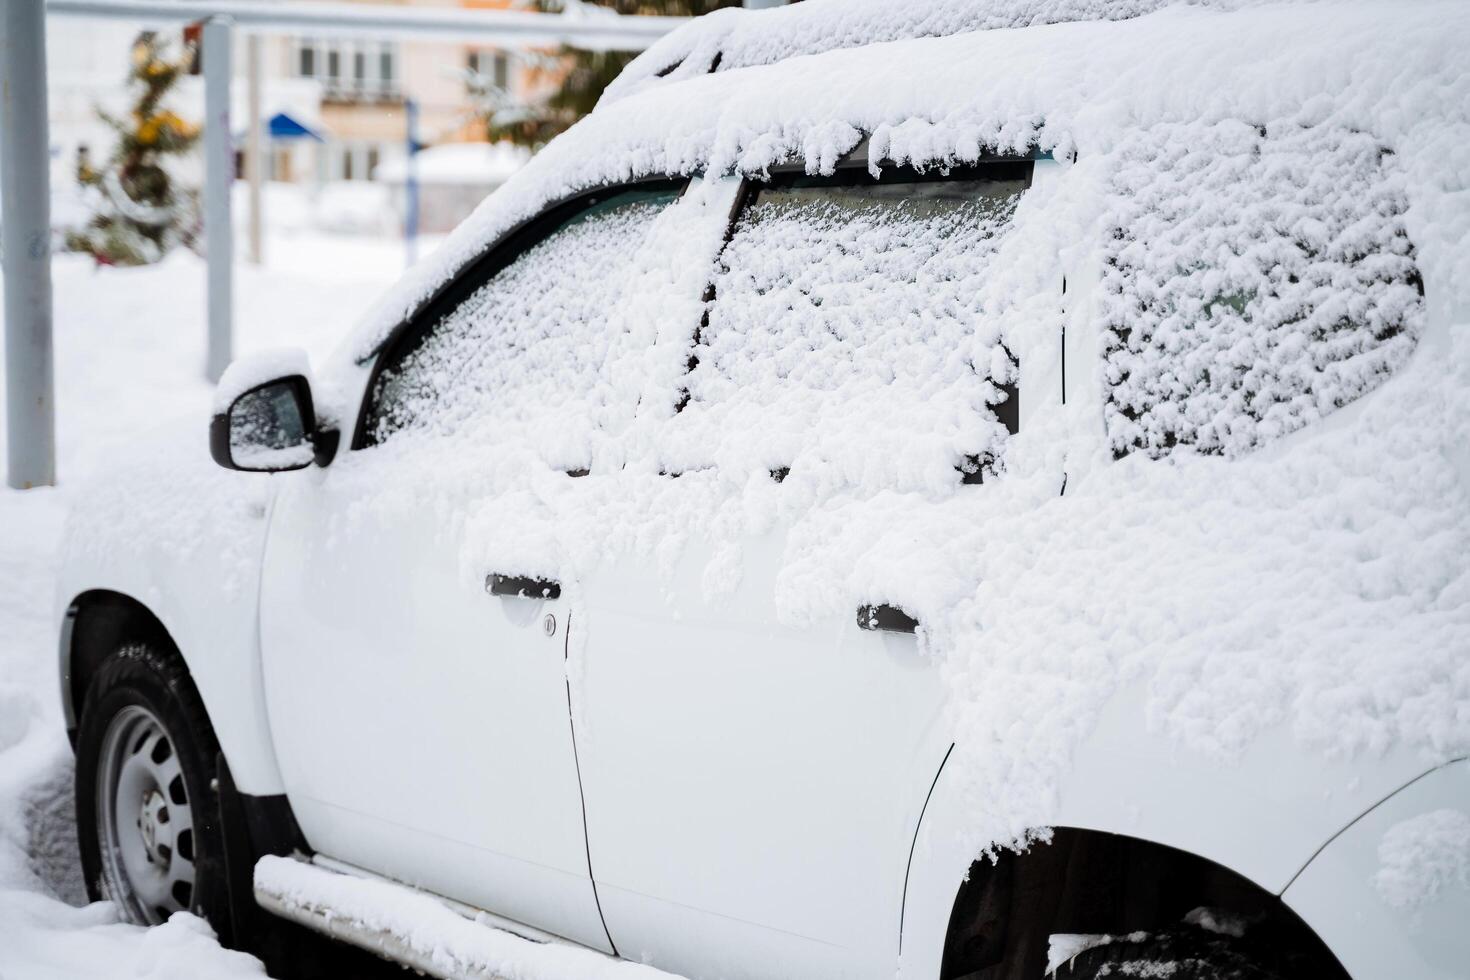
(415, 929)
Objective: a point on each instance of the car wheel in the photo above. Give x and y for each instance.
(1187, 953)
(147, 813)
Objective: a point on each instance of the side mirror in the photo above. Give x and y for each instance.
(268, 426)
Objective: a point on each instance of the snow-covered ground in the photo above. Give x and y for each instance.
(129, 359)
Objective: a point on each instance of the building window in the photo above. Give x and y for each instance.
(350, 70)
(354, 159)
(493, 65)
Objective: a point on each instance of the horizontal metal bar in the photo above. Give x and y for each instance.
(607, 30)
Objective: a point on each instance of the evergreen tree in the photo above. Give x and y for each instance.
(139, 213)
(583, 76)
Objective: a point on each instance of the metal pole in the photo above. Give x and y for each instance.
(254, 161)
(219, 170)
(411, 184)
(760, 4)
(25, 211)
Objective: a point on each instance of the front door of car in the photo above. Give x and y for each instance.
(413, 629)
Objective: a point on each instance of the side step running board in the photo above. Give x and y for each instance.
(421, 931)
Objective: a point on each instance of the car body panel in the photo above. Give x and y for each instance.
(1262, 814)
(1373, 938)
(198, 572)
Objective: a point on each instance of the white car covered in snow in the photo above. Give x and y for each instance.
(948, 489)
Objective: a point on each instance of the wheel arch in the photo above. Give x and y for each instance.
(1086, 881)
(946, 883)
(215, 642)
(96, 623)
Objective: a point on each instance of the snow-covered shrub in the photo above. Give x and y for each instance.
(1256, 280)
(853, 329)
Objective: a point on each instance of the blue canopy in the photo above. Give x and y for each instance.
(284, 127)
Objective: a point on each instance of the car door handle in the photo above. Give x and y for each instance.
(885, 618)
(522, 586)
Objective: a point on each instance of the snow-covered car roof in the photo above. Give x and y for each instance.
(739, 38)
(1392, 70)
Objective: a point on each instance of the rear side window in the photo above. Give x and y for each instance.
(1256, 281)
(852, 329)
(525, 352)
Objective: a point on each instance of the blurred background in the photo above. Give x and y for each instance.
(338, 115)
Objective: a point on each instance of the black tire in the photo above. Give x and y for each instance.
(142, 682)
(1185, 953)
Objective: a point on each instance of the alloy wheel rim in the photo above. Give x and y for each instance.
(145, 825)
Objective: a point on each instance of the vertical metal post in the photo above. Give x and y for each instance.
(219, 172)
(411, 184)
(25, 212)
(254, 159)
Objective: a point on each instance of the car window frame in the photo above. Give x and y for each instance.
(474, 274)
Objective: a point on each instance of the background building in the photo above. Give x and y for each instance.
(334, 112)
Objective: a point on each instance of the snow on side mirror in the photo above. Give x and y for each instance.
(264, 420)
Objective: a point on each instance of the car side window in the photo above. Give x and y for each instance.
(856, 325)
(524, 349)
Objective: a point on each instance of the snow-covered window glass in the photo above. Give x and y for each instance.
(1255, 282)
(852, 332)
(525, 355)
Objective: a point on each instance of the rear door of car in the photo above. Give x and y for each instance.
(756, 753)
